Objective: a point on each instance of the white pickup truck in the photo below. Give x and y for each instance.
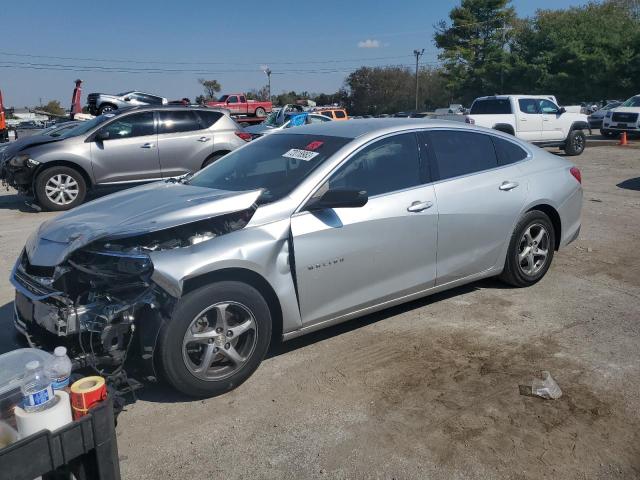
(535, 118)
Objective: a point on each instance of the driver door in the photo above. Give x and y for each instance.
(347, 259)
(551, 121)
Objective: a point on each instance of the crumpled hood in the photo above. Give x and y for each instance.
(144, 209)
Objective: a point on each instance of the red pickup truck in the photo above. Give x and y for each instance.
(238, 104)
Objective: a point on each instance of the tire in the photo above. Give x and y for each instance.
(575, 143)
(181, 355)
(60, 188)
(213, 158)
(517, 274)
(260, 112)
(607, 133)
(106, 108)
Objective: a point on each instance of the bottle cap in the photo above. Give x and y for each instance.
(60, 351)
(33, 365)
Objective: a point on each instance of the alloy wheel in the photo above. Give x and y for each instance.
(61, 189)
(219, 341)
(533, 249)
(578, 143)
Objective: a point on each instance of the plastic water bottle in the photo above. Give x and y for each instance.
(59, 369)
(36, 388)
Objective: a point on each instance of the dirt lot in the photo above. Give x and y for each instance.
(429, 389)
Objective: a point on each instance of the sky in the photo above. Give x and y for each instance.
(164, 47)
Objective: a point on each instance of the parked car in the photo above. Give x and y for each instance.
(303, 229)
(595, 119)
(238, 104)
(8, 150)
(275, 122)
(533, 118)
(333, 113)
(100, 103)
(140, 144)
(623, 118)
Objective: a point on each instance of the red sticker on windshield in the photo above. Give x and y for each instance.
(314, 145)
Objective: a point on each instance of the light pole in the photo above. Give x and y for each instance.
(418, 54)
(267, 70)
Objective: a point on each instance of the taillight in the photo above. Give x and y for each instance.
(576, 174)
(244, 136)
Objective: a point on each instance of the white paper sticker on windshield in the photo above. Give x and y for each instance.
(300, 154)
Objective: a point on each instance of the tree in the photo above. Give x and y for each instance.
(211, 87)
(54, 108)
(473, 47)
(261, 94)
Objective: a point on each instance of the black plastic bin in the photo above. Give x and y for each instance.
(86, 447)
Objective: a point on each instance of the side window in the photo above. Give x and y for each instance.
(153, 100)
(340, 114)
(178, 121)
(232, 99)
(508, 152)
(136, 125)
(528, 105)
(243, 99)
(385, 166)
(327, 114)
(460, 153)
(208, 118)
(548, 107)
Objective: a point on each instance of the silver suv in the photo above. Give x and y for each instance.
(137, 145)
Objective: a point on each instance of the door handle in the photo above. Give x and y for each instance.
(204, 139)
(522, 119)
(147, 145)
(506, 186)
(419, 206)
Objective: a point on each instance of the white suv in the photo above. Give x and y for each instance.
(535, 118)
(625, 118)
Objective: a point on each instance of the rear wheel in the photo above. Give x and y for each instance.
(530, 250)
(216, 339)
(213, 158)
(260, 112)
(575, 143)
(60, 188)
(106, 108)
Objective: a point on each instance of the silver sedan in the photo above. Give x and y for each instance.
(294, 232)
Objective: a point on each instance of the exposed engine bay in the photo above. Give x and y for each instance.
(101, 301)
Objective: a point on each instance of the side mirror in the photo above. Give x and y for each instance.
(562, 110)
(340, 199)
(102, 136)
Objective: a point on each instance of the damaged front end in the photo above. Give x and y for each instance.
(101, 301)
(18, 172)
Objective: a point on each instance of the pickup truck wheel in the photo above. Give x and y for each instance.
(575, 143)
(260, 112)
(60, 188)
(530, 250)
(216, 338)
(106, 108)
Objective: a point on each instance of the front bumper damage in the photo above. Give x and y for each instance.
(98, 296)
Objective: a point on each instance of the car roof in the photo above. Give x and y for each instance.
(142, 108)
(381, 126)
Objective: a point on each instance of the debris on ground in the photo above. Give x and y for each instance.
(546, 388)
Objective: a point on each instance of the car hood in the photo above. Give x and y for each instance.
(626, 109)
(149, 208)
(22, 143)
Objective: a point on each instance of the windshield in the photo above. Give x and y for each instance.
(223, 98)
(84, 127)
(276, 163)
(271, 120)
(632, 102)
(611, 105)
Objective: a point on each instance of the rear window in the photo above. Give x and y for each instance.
(508, 152)
(494, 106)
(276, 163)
(178, 121)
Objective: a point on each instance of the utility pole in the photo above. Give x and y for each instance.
(267, 70)
(418, 54)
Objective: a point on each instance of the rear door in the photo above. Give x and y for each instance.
(529, 119)
(351, 258)
(479, 198)
(184, 141)
(129, 153)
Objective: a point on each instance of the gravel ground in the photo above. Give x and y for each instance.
(428, 389)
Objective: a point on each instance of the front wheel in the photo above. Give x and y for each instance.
(575, 143)
(260, 112)
(530, 250)
(216, 339)
(60, 188)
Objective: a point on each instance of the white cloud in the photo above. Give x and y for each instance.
(369, 43)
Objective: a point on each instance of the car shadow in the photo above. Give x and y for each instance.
(630, 184)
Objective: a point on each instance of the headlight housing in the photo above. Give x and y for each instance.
(23, 160)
